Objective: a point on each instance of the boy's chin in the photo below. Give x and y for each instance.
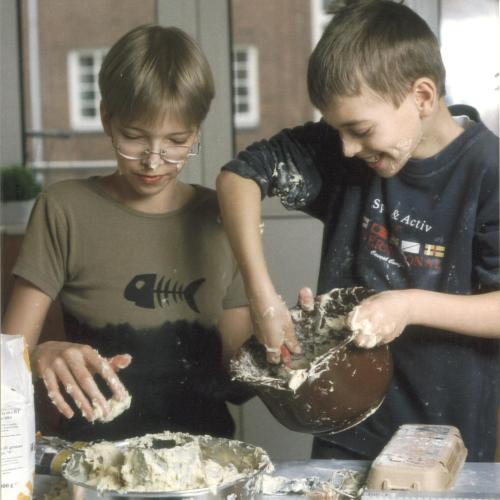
(388, 169)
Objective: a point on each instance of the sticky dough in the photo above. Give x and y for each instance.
(116, 408)
(166, 461)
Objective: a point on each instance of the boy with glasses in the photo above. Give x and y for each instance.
(139, 261)
(409, 200)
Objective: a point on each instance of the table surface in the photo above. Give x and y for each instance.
(475, 480)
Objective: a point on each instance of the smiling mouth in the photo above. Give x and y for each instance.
(374, 161)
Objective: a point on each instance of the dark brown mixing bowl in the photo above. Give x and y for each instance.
(343, 384)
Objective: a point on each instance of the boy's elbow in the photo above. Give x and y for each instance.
(223, 179)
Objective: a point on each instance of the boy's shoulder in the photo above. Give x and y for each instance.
(68, 188)
(69, 192)
(482, 145)
(478, 129)
(475, 148)
(205, 199)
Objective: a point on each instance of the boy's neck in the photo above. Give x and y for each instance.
(172, 198)
(439, 130)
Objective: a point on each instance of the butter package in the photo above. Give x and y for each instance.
(420, 458)
(51, 453)
(17, 420)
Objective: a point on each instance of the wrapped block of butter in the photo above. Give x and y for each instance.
(419, 457)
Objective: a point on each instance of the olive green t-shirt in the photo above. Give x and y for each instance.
(150, 285)
(109, 263)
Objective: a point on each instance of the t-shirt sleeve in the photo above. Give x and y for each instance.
(487, 237)
(44, 251)
(292, 164)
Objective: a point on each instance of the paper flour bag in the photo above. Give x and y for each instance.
(18, 421)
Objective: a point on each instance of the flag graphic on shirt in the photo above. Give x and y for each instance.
(410, 246)
(434, 250)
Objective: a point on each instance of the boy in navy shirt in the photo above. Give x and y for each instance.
(409, 199)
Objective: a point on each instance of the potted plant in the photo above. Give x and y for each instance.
(19, 187)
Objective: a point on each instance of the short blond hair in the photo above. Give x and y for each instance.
(378, 43)
(152, 72)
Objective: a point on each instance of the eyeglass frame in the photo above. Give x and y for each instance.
(148, 152)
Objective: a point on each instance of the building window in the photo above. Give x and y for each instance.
(245, 87)
(84, 93)
(320, 18)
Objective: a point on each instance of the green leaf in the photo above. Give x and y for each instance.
(18, 183)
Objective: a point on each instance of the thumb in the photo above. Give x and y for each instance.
(120, 361)
(306, 299)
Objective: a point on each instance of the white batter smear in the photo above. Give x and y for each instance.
(116, 407)
(321, 331)
(166, 461)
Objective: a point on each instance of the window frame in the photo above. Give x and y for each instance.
(250, 118)
(77, 120)
(319, 19)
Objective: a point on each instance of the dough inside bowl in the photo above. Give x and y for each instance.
(320, 332)
(334, 384)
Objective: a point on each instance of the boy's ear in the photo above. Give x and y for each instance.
(105, 120)
(426, 96)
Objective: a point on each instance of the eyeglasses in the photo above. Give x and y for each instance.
(132, 149)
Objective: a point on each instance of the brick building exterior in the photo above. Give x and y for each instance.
(277, 31)
(281, 32)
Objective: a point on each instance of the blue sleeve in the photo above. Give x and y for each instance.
(487, 237)
(296, 164)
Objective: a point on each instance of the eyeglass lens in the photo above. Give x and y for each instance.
(140, 150)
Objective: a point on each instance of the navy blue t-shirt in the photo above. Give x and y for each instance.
(433, 226)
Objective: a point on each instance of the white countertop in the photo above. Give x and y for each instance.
(475, 481)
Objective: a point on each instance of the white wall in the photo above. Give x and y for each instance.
(292, 242)
(292, 247)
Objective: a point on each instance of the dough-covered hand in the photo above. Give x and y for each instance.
(119, 362)
(379, 319)
(306, 299)
(273, 326)
(73, 367)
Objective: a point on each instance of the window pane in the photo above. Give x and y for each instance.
(86, 61)
(87, 95)
(87, 78)
(241, 56)
(88, 112)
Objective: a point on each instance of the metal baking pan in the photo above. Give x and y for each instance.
(224, 451)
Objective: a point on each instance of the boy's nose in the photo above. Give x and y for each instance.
(152, 161)
(351, 148)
